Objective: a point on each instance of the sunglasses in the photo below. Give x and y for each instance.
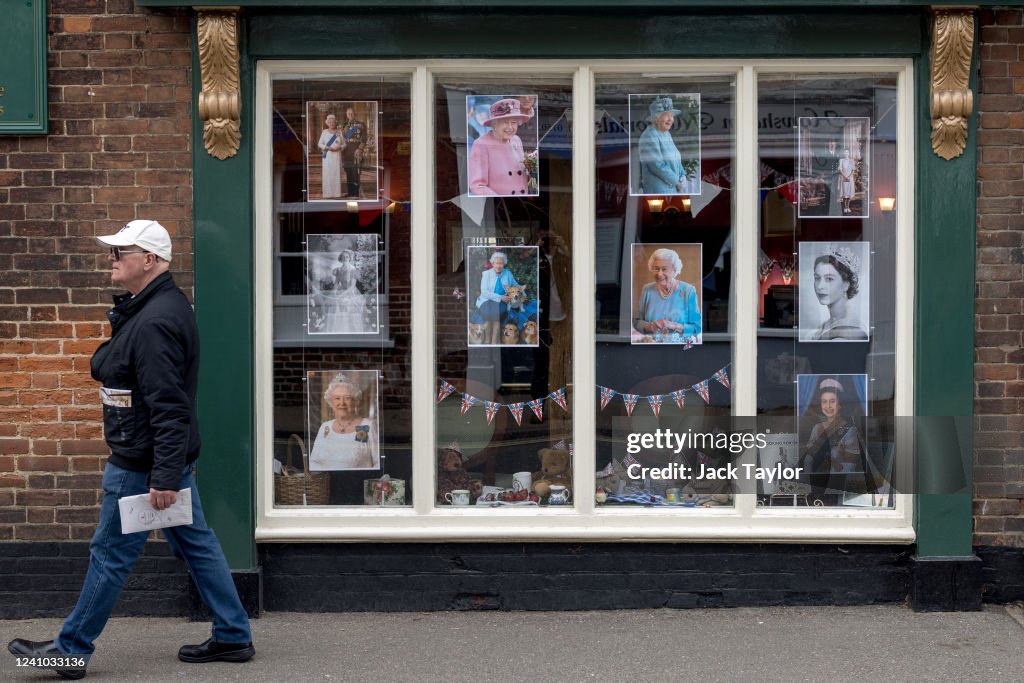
(117, 252)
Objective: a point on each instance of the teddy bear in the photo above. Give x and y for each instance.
(555, 468)
(452, 475)
(611, 478)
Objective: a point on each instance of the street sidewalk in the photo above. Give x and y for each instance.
(859, 644)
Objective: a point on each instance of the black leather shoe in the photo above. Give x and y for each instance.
(49, 657)
(212, 651)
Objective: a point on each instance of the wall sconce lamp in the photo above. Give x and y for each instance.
(390, 208)
(352, 207)
(655, 205)
(686, 203)
(886, 204)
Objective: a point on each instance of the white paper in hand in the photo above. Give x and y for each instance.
(137, 514)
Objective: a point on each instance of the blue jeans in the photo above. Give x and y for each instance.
(113, 554)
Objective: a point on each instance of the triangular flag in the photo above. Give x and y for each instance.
(517, 411)
(537, 406)
(679, 396)
(655, 402)
(629, 460)
(606, 396)
(491, 408)
(468, 402)
(559, 398)
(630, 401)
(702, 389)
(723, 377)
(708, 192)
(472, 206)
(445, 391)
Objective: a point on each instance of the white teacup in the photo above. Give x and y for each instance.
(559, 495)
(458, 497)
(522, 480)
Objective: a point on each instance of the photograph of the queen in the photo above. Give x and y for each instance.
(833, 172)
(342, 280)
(664, 140)
(666, 307)
(835, 296)
(503, 154)
(344, 405)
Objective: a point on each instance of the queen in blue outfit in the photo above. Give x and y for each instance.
(661, 164)
(668, 310)
(491, 304)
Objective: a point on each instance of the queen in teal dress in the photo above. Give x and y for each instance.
(668, 310)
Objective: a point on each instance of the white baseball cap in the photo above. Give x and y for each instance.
(147, 234)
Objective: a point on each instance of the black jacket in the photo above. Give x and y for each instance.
(153, 353)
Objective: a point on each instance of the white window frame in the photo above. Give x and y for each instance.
(584, 520)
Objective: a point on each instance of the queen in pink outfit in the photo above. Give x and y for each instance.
(496, 165)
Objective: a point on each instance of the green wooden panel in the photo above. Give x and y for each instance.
(23, 74)
(222, 196)
(944, 344)
(612, 33)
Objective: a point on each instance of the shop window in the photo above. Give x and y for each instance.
(479, 313)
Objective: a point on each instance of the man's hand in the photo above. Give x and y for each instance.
(161, 500)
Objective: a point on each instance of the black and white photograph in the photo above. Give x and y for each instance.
(342, 277)
(502, 303)
(666, 294)
(343, 411)
(664, 144)
(502, 137)
(833, 169)
(341, 151)
(835, 283)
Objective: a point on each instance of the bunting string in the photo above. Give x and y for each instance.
(558, 397)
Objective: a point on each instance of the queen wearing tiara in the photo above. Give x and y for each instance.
(348, 441)
(835, 449)
(836, 283)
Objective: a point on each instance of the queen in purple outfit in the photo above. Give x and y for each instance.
(496, 161)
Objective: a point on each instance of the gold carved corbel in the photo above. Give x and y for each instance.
(220, 101)
(952, 99)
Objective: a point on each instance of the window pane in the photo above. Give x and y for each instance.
(341, 290)
(826, 341)
(504, 287)
(665, 150)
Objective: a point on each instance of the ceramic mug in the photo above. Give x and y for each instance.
(458, 497)
(559, 495)
(522, 480)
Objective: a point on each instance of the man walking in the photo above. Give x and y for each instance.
(149, 373)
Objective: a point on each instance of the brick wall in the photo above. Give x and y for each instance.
(118, 148)
(999, 356)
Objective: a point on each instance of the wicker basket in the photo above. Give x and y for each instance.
(300, 487)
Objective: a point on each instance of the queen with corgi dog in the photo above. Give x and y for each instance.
(492, 304)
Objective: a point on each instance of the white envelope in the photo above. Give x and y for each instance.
(137, 514)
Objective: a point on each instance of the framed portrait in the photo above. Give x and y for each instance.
(835, 291)
(342, 284)
(664, 144)
(502, 307)
(833, 166)
(341, 151)
(343, 416)
(503, 145)
(666, 294)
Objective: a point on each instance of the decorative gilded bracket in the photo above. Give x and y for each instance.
(220, 101)
(952, 99)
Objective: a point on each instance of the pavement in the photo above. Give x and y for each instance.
(871, 643)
